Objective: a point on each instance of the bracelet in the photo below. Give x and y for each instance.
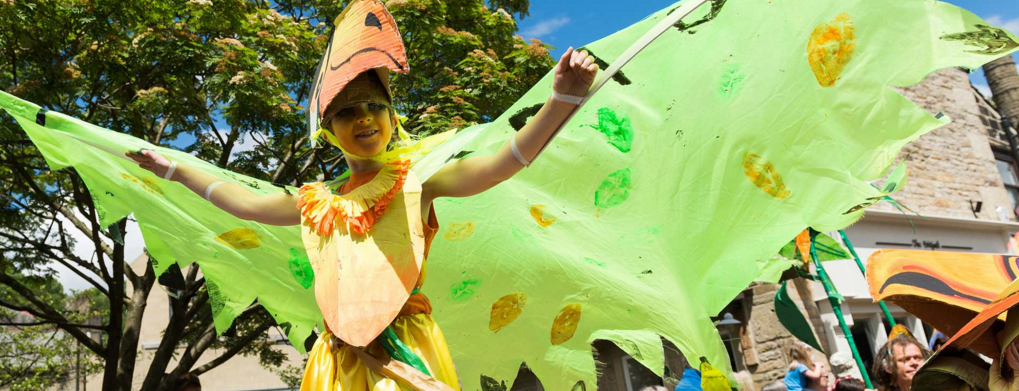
(571, 99)
(169, 173)
(516, 152)
(208, 190)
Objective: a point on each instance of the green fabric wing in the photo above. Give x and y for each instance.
(241, 260)
(726, 137)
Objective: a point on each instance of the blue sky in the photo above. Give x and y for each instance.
(563, 23)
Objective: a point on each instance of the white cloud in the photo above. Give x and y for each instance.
(984, 89)
(85, 249)
(244, 143)
(1010, 24)
(545, 27)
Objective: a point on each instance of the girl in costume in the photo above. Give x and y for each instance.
(368, 237)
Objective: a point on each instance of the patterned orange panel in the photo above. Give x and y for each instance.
(363, 280)
(365, 38)
(980, 334)
(944, 289)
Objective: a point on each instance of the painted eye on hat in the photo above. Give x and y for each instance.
(371, 20)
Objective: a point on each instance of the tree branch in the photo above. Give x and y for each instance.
(41, 323)
(44, 310)
(162, 126)
(241, 344)
(69, 215)
(47, 250)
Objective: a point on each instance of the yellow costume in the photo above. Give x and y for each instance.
(366, 230)
(368, 243)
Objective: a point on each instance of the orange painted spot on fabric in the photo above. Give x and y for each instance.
(538, 212)
(240, 239)
(565, 324)
(459, 231)
(506, 310)
(830, 48)
(763, 175)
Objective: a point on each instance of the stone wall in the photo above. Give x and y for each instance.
(767, 341)
(954, 164)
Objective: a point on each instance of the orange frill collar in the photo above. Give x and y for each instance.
(359, 208)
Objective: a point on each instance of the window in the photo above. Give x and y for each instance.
(636, 376)
(732, 346)
(1007, 170)
(989, 117)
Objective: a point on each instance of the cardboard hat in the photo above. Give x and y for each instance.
(987, 334)
(365, 38)
(365, 88)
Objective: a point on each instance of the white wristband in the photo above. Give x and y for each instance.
(571, 99)
(516, 152)
(169, 173)
(208, 190)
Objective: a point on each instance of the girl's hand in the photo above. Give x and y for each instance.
(151, 161)
(575, 73)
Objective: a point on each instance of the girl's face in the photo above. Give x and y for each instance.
(363, 129)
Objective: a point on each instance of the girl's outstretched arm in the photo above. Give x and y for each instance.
(274, 209)
(574, 75)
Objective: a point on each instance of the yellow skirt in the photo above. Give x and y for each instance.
(335, 367)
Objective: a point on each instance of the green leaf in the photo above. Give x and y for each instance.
(828, 249)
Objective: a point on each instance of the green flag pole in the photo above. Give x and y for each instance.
(849, 245)
(833, 299)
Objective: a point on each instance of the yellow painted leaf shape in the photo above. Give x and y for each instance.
(565, 324)
(506, 310)
(147, 183)
(240, 239)
(763, 175)
(538, 212)
(830, 48)
(459, 231)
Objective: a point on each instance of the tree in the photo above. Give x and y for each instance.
(35, 355)
(202, 76)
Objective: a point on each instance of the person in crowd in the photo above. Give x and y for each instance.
(848, 383)
(802, 370)
(188, 382)
(654, 388)
(897, 361)
(691, 380)
(821, 382)
(937, 340)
